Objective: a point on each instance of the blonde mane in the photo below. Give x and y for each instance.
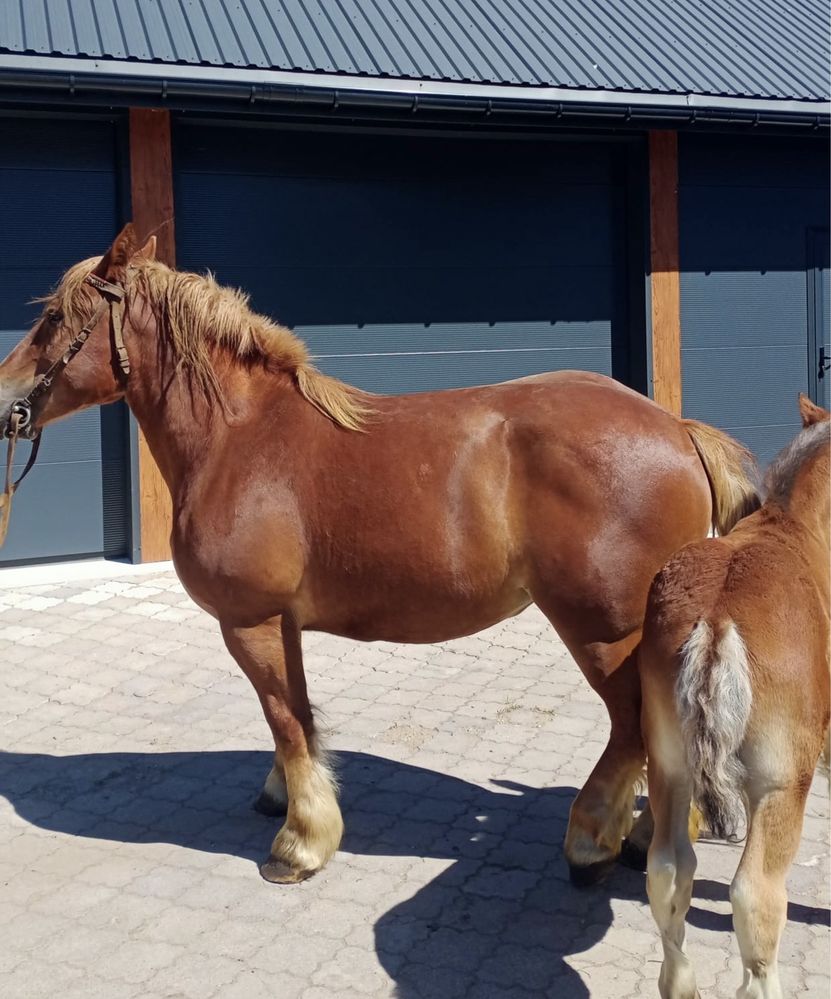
(198, 313)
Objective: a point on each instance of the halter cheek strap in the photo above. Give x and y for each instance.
(20, 418)
(114, 294)
(112, 298)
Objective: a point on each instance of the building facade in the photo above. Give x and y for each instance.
(430, 201)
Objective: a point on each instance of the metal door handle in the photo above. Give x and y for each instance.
(824, 360)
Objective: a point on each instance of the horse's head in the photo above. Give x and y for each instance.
(74, 355)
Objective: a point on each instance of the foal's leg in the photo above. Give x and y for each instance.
(671, 859)
(601, 815)
(758, 894)
(636, 844)
(270, 656)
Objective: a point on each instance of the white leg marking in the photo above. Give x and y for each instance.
(314, 825)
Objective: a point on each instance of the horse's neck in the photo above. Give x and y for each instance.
(169, 428)
(182, 423)
(809, 504)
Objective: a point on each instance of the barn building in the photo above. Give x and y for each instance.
(433, 194)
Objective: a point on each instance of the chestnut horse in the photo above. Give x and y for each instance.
(735, 671)
(302, 503)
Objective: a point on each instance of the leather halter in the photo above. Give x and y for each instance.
(20, 418)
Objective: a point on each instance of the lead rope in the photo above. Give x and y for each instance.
(8, 491)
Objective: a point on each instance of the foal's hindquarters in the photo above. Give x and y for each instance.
(748, 730)
(735, 676)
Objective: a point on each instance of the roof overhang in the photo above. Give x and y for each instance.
(120, 82)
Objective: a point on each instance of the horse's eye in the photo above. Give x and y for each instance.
(54, 317)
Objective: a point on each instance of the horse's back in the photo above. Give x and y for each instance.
(568, 391)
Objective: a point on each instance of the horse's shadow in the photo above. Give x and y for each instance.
(498, 921)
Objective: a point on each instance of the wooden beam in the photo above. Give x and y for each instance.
(151, 188)
(665, 280)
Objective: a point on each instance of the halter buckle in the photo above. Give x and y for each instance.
(19, 423)
(105, 287)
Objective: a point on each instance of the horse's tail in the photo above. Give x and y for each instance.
(714, 698)
(732, 472)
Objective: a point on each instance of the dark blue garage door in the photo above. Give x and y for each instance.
(413, 263)
(59, 202)
(754, 261)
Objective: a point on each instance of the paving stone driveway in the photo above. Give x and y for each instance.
(132, 749)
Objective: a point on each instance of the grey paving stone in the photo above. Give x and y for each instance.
(132, 748)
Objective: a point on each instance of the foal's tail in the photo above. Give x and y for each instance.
(714, 697)
(732, 472)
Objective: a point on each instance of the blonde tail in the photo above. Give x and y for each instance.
(732, 472)
(714, 698)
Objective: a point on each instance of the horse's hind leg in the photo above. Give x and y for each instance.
(270, 656)
(601, 815)
(758, 893)
(671, 859)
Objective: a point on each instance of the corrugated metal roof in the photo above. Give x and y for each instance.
(773, 49)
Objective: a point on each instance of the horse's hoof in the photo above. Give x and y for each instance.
(586, 875)
(278, 872)
(632, 855)
(266, 805)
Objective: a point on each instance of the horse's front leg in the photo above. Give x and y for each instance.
(274, 797)
(270, 655)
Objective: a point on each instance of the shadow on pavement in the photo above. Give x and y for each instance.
(716, 891)
(500, 919)
(496, 922)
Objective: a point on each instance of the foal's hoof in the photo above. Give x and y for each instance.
(586, 875)
(266, 805)
(632, 855)
(278, 872)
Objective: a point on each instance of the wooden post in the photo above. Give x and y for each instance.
(665, 278)
(151, 187)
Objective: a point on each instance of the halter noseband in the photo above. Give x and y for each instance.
(19, 423)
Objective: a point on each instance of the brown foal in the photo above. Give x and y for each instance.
(302, 503)
(735, 672)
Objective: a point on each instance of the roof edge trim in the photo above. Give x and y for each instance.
(256, 86)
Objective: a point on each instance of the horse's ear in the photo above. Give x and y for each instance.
(810, 412)
(148, 251)
(115, 260)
